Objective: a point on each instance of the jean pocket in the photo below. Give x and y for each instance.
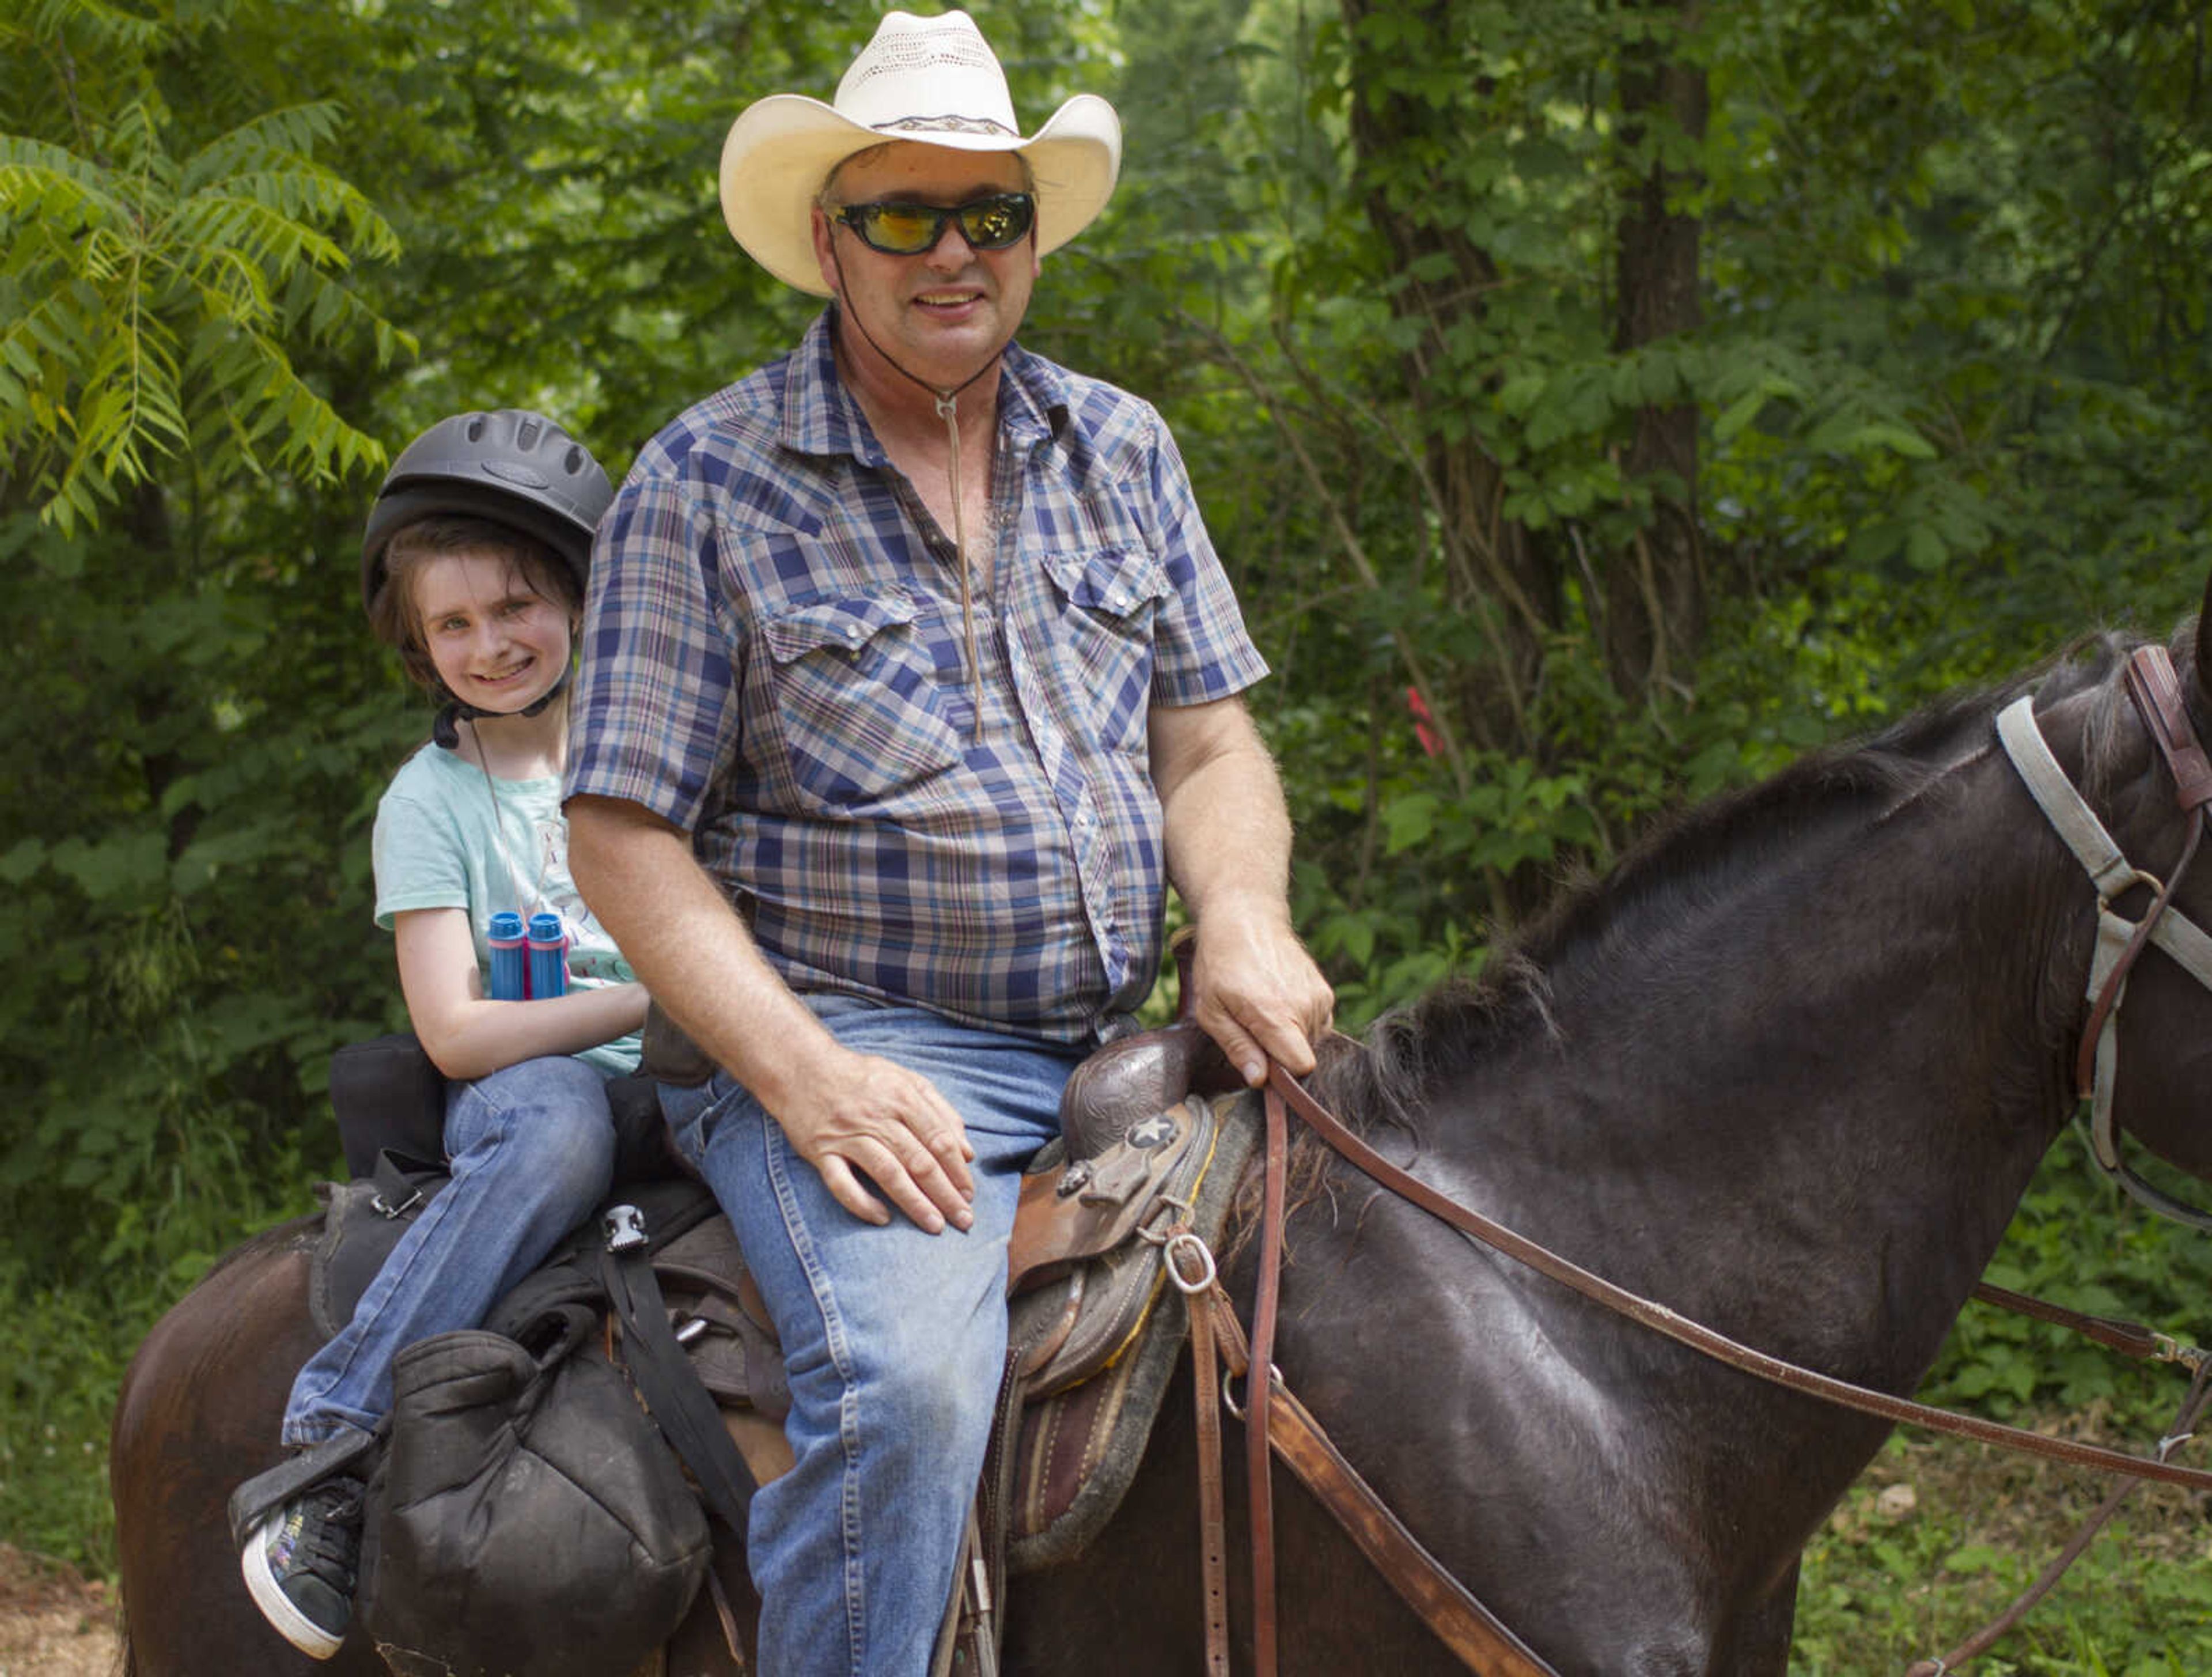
(865, 690)
(1109, 598)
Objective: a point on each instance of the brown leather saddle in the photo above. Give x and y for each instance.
(1145, 1151)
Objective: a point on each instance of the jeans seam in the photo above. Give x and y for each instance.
(777, 1150)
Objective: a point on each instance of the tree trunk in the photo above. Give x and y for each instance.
(1497, 572)
(1654, 608)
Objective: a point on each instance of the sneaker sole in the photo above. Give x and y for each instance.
(287, 1621)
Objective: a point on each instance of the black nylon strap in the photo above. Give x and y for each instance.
(683, 1408)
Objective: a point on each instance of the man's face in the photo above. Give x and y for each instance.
(943, 313)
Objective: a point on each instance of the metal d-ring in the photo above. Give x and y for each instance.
(2136, 876)
(1228, 1391)
(1187, 1243)
(2171, 1350)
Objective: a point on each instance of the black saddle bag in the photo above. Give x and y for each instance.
(527, 1520)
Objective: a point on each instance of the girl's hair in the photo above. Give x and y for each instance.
(394, 614)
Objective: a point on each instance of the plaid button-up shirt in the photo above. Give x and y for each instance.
(773, 662)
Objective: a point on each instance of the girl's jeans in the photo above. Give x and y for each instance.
(893, 1338)
(532, 1151)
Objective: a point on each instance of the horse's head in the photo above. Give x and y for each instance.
(2161, 1068)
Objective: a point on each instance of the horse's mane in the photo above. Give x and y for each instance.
(1413, 1048)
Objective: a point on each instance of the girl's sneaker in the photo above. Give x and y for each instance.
(299, 1565)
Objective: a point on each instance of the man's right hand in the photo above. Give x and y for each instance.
(862, 1116)
(850, 1115)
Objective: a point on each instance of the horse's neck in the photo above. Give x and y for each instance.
(1819, 1078)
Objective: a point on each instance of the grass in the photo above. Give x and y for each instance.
(61, 1356)
(1938, 1537)
(64, 1348)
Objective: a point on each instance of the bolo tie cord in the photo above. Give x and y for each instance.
(948, 410)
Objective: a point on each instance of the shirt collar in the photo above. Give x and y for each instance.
(821, 417)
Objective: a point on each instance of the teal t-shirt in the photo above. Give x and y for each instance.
(447, 837)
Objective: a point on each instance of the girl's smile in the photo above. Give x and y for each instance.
(497, 644)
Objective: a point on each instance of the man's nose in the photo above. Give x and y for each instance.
(951, 251)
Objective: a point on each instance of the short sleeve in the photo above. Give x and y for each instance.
(654, 718)
(1201, 651)
(418, 857)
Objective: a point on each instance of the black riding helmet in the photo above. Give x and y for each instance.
(517, 467)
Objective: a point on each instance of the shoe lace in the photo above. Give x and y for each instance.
(329, 1541)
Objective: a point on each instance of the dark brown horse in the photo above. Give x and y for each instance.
(1787, 1070)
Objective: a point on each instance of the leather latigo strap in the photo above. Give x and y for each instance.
(1276, 1422)
(1259, 1394)
(1191, 1266)
(1461, 1622)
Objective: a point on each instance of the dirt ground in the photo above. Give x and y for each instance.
(52, 1622)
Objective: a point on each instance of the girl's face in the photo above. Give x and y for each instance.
(498, 644)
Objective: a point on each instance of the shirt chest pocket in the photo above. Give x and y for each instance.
(864, 695)
(1108, 600)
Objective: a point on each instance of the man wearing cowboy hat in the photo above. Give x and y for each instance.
(909, 683)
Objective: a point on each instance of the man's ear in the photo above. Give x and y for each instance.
(825, 252)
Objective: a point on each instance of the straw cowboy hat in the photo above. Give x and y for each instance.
(930, 79)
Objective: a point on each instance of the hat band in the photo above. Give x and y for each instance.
(944, 125)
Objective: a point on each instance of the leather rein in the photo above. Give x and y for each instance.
(1276, 1421)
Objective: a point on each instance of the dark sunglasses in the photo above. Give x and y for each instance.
(909, 229)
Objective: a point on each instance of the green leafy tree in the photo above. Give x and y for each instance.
(157, 282)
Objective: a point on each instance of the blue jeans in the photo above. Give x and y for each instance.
(531, 1149)
(893, 1340)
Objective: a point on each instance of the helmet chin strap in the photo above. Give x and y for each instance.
(445, 730)
(948, 410)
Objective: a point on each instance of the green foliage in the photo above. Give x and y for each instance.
(157, 287)
(1950, 407)
(65, 1351)
(1879, 1592)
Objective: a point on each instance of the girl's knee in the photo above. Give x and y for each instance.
(575, 1146)
(548, 1120)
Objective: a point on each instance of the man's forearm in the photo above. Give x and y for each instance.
(859, 1119)
(1228, 836)
(680, 934)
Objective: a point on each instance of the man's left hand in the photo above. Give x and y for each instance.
(1260, 995)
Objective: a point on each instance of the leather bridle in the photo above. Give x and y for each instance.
(1275, 1420)
(2156, 691)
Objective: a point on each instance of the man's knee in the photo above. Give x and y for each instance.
(929, 1381)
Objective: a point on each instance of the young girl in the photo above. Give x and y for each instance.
(473, 566)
